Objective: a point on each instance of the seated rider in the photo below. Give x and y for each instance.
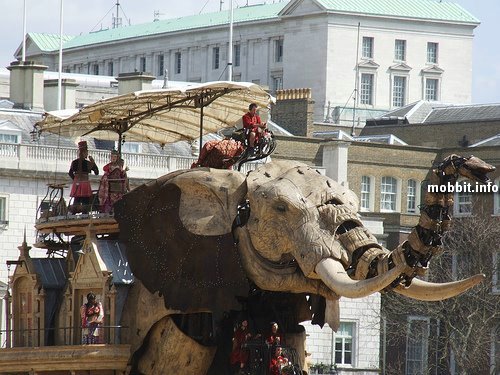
(253, 126)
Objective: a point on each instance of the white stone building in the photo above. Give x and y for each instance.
(359, 58)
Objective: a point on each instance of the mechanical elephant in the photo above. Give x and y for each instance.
(205, 238)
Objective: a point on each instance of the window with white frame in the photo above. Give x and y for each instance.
(411, 196)
(388, 194)
(131, 147)
(344, 344)
(417, 345)
(237, 55)
(366, 192)
(278, 50)
(3, 210)
(400, 50)
(367, 48)
(9, 138)
(142, 64)
(399, 91)
(277, 83)
(177, 63)
(431, 89)
(161, 65)
(432, 53)
(366, 89)
(462, 201)
(215, 58)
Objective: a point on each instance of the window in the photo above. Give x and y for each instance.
(388, 194)
(344, 344)
(278, 50)
(110, 68)
(277, 83)
(142, 64)
(400, 50)
(95, 69)
(131, 147)
(367, 48)
(462, 201)
(411, 196)
(8, 138)
(215, 57)
(399, 91)
(3, 210)
(496, 199)
(161, 65)
(178, 63)
(432, 53)
(495, 353)
(431, 89)
(365, 193)
(237, 55)
(366, 89)
(417, 343)
(496, 272)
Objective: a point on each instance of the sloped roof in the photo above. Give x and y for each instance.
(423, 9)
(48, 42)
(52, 272)
(492, 141)
(244, 14)
(114, 257)
(464, 113)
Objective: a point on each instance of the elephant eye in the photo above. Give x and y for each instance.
(281, 208)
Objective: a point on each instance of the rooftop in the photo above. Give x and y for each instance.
(410, 9)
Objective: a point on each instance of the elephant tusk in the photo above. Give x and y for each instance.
(426, 291)
(333, 274)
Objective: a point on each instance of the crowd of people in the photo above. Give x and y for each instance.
(272, 341)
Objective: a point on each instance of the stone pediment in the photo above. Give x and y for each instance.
(400, 67)
(90, 271)
(434, 69)
(368, 64)
(301, 7)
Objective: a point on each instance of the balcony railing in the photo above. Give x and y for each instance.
(58, 159)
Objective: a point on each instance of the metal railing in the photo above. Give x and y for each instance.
(61, 336)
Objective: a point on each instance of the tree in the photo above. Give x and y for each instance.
(464, 325)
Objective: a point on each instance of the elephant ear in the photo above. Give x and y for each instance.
(191, 259)
(210, 199)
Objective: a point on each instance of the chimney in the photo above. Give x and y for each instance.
(335, 154)
(294, 111)
(68, 94)
(136, 81)
(26, 85)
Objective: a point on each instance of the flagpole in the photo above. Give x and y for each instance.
(24, 33)
(59, 79)
(230, 52)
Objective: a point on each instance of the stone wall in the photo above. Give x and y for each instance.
(294, 111)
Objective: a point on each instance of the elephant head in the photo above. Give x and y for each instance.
(199, 236)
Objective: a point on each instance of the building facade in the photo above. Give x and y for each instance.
(359, 59)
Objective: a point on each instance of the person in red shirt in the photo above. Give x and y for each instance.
(239, 355)
(277, 362)
(274, 337)
(253, 125)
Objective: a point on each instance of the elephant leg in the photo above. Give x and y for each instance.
(169, 351)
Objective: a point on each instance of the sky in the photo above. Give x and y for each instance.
(82, 16)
